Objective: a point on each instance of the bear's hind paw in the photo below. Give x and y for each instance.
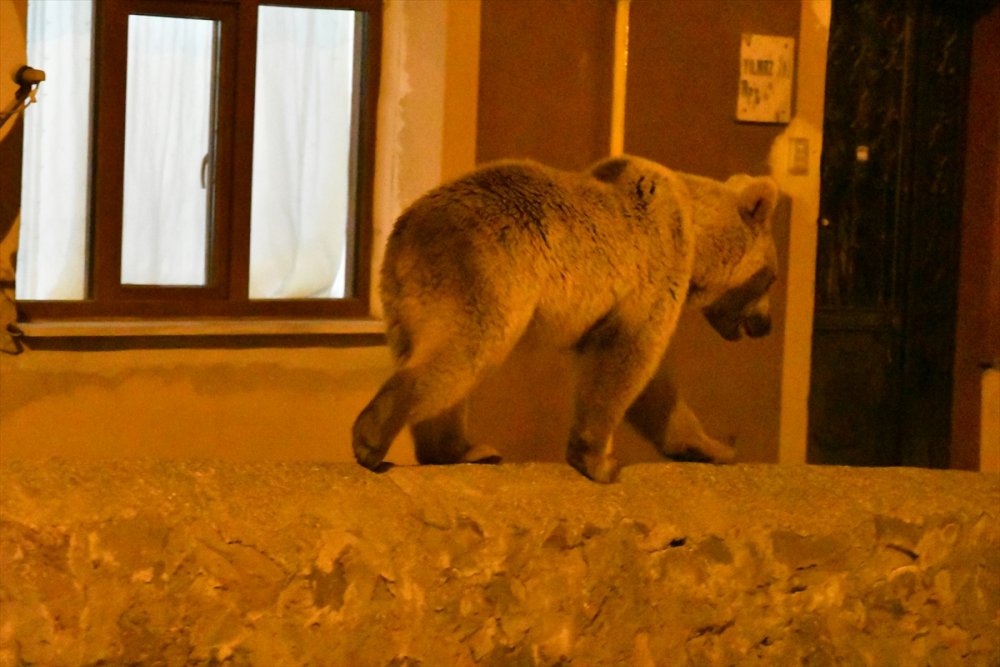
(482, 454)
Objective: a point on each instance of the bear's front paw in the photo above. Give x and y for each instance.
(707, 450)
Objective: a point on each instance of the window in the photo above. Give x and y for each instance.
(199, 158)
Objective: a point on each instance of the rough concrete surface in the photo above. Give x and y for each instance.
(178, 563)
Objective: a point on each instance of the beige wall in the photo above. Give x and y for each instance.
(268, 399)
(248, 398)
(803, 191)
(977, 332)
(268, 403)
(680, 107)
(544, 93)
(554, 104)
(546, 80)
(234, 400)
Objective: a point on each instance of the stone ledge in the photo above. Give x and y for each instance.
(157, 562)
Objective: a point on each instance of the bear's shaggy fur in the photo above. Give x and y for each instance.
(600, 262)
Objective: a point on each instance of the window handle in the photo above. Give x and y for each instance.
(204, 171)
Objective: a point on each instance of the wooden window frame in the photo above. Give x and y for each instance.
(226, 293)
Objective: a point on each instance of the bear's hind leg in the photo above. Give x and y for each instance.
(429, 391)
(441, 440)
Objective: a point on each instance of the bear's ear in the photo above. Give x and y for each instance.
(610, 170)
(755, 198)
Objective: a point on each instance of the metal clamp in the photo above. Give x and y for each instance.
(28, 79)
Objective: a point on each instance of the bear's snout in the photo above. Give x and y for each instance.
(757, 325)
(744, 309)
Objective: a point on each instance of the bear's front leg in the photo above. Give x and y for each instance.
(614, 365)
(662, 416)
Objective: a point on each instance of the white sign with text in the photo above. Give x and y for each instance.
(767, 67)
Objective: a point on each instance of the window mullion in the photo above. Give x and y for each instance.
(108, 149)
(242, 165)
(365, 94)
(223, 147)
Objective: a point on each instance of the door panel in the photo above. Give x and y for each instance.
(860, 171)
(856, 390)
(941, 54)
(890, 214)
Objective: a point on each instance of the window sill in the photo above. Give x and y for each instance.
(197, 327)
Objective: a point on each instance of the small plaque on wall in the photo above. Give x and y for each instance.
(767, 67)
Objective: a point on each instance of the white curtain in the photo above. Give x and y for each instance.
(302, 138)
(51, 257)
(301, 152)
(168, 95)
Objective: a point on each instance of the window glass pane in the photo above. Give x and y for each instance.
(168, 128)
(54, 187)
(302, 153)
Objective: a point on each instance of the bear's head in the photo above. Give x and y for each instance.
(736, 261)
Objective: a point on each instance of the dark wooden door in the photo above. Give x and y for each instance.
(890, 214)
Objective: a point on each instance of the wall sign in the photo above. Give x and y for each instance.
(767, 67)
